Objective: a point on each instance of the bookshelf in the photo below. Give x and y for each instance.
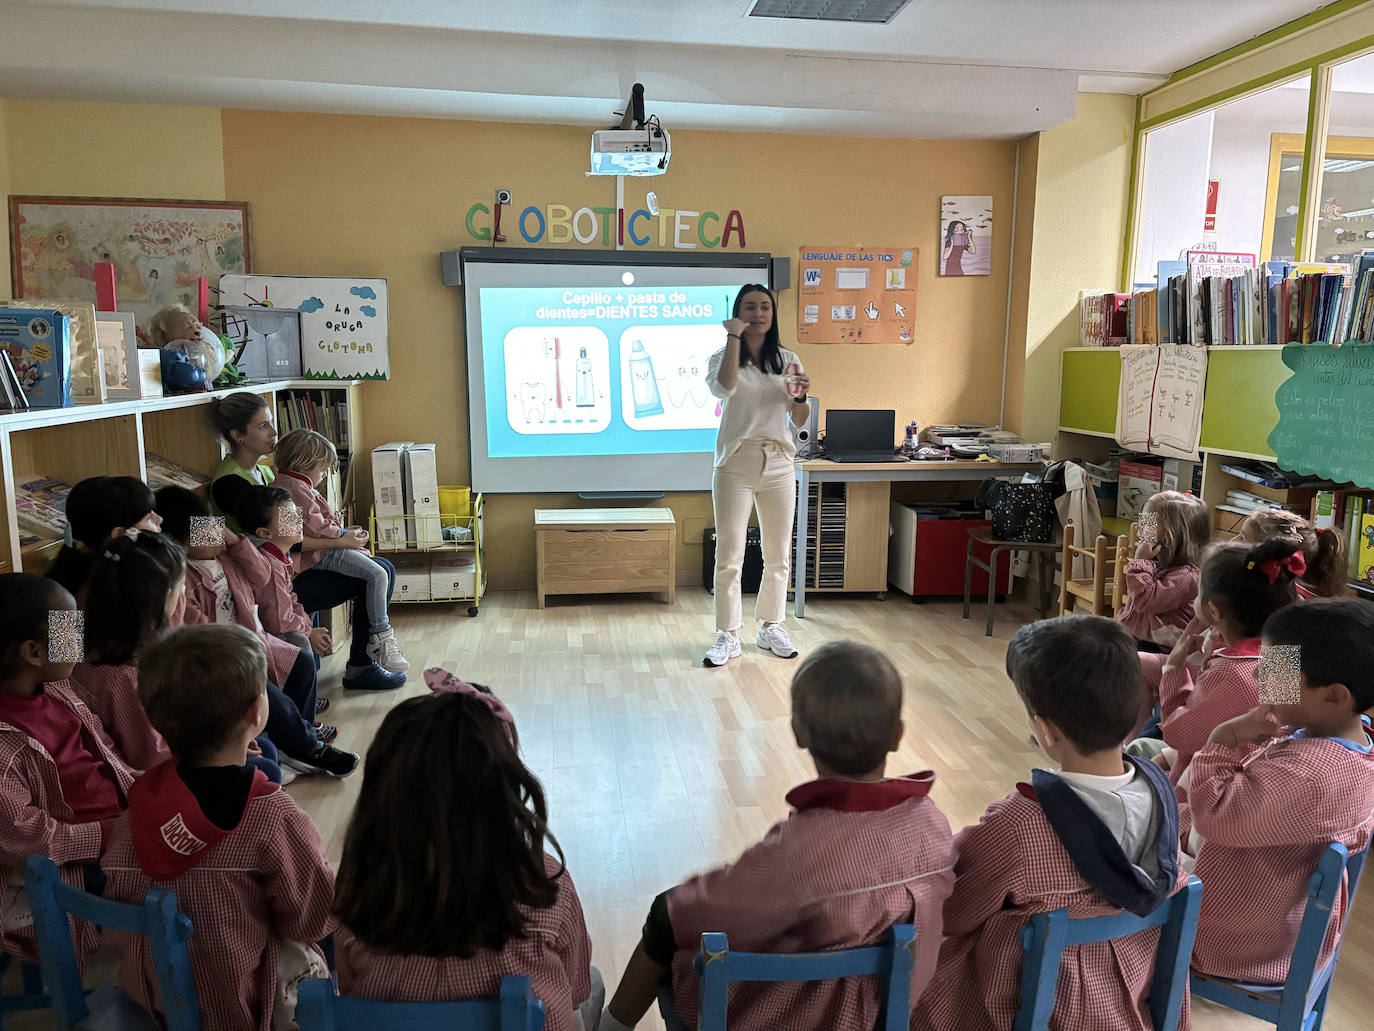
(1238, 414)
(840, 526)
(113, 439)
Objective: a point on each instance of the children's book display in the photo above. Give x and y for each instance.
(83, 350)
(343, 320)
(38, 343)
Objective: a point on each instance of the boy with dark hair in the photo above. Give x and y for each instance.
(246, 864)
(860, 853)
(1272, 788)
(1099, 836)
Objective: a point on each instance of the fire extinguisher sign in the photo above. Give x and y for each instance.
(1209, 222)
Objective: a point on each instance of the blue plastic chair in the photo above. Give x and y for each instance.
(31, 995)
(717, 967)
(157, 919)
(1049, 934)
(1300, 1002)
(516, 1009)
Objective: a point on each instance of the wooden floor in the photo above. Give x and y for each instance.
(656, 767)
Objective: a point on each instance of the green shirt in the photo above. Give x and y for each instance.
(261, 475)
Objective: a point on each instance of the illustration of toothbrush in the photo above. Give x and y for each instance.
(643, 386)
(558, 371)
(583, 386)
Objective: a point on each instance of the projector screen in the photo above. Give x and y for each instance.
(587, 370)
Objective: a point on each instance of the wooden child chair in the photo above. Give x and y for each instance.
(1048, 934)
(1104, 591)
(717, 967)
(1299, 1004)
(157, 919)
(319, 1009)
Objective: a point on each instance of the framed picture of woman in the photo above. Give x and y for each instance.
(965, 236)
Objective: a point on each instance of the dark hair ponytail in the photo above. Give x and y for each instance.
(770, 355)
(1235, 578)
(95, 507)
(126, 601)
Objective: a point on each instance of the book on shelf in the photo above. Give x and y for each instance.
(163, 472)
(326, 415)
(41, 507)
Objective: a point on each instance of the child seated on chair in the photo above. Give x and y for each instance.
(1273, 787)
(271, 516)
(1161, 579)
(62, 782)
(1239, 589)
(1097, 837)
(444, 886)
(246, 864)
(859, 853)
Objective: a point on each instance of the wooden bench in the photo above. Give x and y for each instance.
(605, 551)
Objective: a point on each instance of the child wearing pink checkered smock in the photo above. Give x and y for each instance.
(445, 886)
(1097, 837)
(1274, 786)
(859, 853)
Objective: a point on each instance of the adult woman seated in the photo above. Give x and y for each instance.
(245, 421)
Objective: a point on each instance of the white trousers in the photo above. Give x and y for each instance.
(758, 476)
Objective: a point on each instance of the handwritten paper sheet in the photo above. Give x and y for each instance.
(1159, 403)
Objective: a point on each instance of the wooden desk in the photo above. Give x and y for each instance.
(605, 551)
(871, 535)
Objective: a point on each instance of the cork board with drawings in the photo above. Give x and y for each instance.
(1159, 401)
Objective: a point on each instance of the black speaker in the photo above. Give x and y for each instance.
(752, 573)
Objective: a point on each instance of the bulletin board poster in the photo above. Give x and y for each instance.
(857, 295)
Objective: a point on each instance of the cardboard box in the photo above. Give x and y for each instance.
(1137, 483)
(423, 527)
(412, 578)
(389, 493)
(1226, 524)
(40, 347)
(453, 575)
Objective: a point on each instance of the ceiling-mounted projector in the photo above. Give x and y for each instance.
(638, 146)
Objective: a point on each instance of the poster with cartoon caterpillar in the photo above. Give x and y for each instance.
(663, 377)
(557, 380)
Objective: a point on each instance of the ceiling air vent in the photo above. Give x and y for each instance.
(878, 12)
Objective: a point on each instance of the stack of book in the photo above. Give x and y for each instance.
(41, 506)
(1103, 319)
(830, 570)
(163, 472)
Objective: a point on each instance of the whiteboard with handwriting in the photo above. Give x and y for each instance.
(1159, 402)
(343, 320)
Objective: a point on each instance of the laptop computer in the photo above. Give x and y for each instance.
(860, 435)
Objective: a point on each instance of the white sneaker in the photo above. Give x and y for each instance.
(385, 651)
(727, 647)
(287, 775)
(774, 638)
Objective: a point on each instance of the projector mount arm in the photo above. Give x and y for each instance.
(633, 115)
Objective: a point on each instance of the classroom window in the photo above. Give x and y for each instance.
(1345, 209)
(1216, 180)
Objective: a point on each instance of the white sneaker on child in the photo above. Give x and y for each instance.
(727, 647)
(385, 651)
(774, 638)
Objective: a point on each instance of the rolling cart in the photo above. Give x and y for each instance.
(449, 531)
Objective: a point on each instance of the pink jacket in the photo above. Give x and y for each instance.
(248, 573)
(320, 520)
(1226, 688)
(278, 607)
(1156, 597)
(36, 819)
(111, 692)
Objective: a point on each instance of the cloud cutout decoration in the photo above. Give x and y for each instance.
(311, 304)
(368, 310)
(365, 292)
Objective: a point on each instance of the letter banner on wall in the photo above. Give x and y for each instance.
(857, 295)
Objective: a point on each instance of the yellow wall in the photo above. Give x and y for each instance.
(1081, 180)
(76, 149)
(5, 290)
(345, 195)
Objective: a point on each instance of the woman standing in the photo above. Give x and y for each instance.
(764, 390)
(245, 422)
